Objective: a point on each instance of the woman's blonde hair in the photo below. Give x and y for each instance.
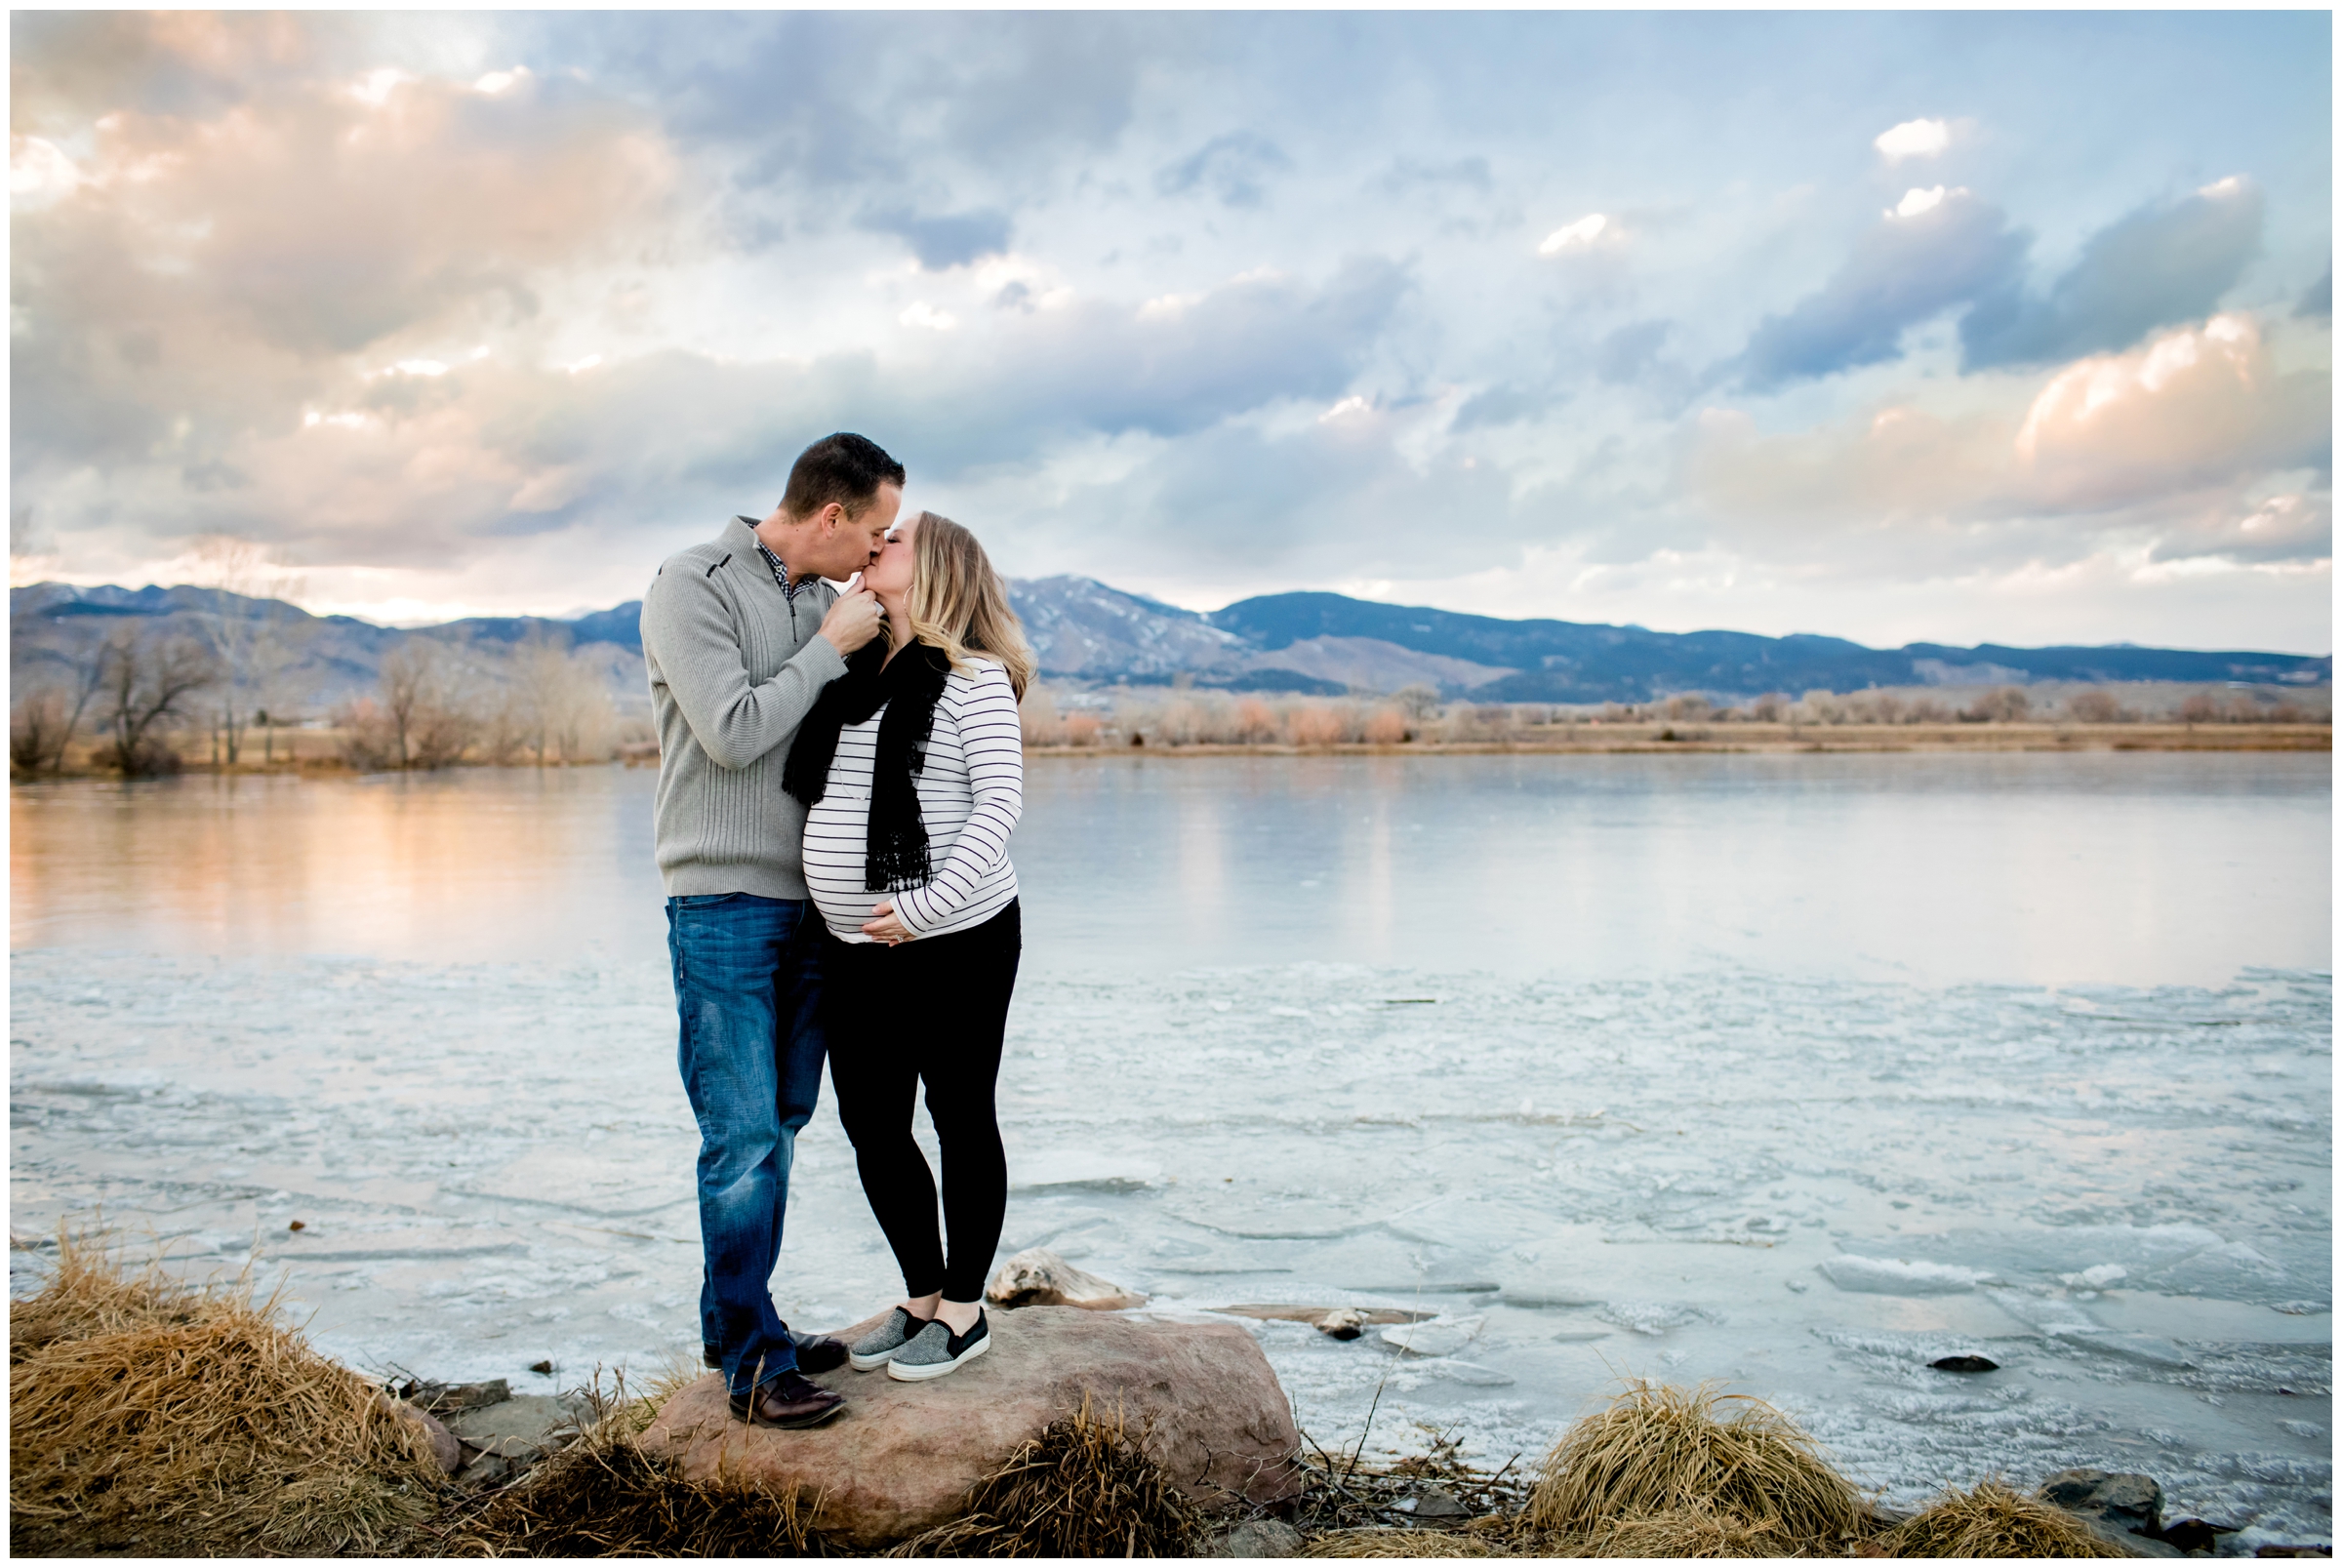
(959, 604)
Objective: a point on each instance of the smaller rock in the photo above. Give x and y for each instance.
(1435, 1502)
(2128, 1501)
(524, 1428)
(2194, 1535)
(542, 1368)
(1039, 1277)
(1259, 1538)
(1342, 1323)
(453, 1398)
(488, 1469)
(1964, 1364)
(445, 1449)
(298, 1225)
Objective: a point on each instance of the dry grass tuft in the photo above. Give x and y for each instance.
(1083, 1488)
(1665, 1453)
(184, 1420)
(603, 1497)
(1691, 1532)
(1399, 1544)
(1992, 1521)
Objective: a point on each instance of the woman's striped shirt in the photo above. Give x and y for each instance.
(971, 794)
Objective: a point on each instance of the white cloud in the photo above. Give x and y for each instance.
(38, 169)
(377, 86)
(1574, 237)
(1916, 201)
(495, 82)
(2198, 398)
(1913, 139)
(923, 314)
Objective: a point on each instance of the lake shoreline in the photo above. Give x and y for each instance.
(1651, 739)
(1661, 740)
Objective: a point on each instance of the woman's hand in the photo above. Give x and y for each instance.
(884, 925)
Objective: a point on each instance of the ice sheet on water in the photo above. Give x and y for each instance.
(1432, 1336)
(2178, 1259)
(1693, 1144)
(1899, 1276)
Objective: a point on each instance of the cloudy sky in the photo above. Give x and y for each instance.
(1946, 327)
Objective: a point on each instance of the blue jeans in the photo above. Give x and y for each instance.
(748, 989)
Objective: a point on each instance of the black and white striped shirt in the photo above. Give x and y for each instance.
(971, 794)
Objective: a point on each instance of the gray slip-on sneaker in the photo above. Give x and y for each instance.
(936, 1351)
(885, 1343)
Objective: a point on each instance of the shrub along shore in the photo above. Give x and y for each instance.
(153, 1418)
(319, 752)
(581, 719)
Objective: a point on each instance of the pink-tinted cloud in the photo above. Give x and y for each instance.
(2170, 437)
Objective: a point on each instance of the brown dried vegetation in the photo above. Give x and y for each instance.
(1664, 1451)
(1992, 1521)
(1083, 1488)
(170, 1420)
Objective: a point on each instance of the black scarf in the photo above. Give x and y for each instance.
(895, 855)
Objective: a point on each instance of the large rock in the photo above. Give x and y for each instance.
(2128, 1501)
(2125, 1509)
(1257, 1538)
(902, 1454)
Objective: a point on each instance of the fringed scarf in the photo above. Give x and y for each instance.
(895, 854)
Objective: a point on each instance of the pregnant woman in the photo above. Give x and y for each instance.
(913, 769)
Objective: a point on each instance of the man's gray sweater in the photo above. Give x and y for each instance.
(735, 666)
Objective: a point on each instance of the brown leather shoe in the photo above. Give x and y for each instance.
(816, 1352)
(819, 1352)
(788, 1401)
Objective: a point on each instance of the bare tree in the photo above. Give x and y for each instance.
(560, 700)
(150, 679)
(48, 716)
(2094, 707)
(278, 690)
(36, 731)
(540, 676)
(1418, 701)
(410, 678)
(2003, 705)
(240, 626)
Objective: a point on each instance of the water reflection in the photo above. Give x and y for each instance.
(475, 865)
(2144, 870)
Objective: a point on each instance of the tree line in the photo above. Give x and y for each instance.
(149, 691)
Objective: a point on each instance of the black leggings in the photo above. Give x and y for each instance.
(934, 1008)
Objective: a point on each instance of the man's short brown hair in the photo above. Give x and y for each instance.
(844, 468)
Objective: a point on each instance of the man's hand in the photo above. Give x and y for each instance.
(885, 926)
(853, 619)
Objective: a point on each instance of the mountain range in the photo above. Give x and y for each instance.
(1088, 633)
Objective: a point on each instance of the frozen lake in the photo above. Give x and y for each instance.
(1798, 1072)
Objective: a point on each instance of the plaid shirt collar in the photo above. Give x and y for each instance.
(780, 572)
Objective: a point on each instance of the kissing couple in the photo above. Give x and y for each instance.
(840, 767)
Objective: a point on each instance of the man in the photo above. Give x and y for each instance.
(741, 634)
